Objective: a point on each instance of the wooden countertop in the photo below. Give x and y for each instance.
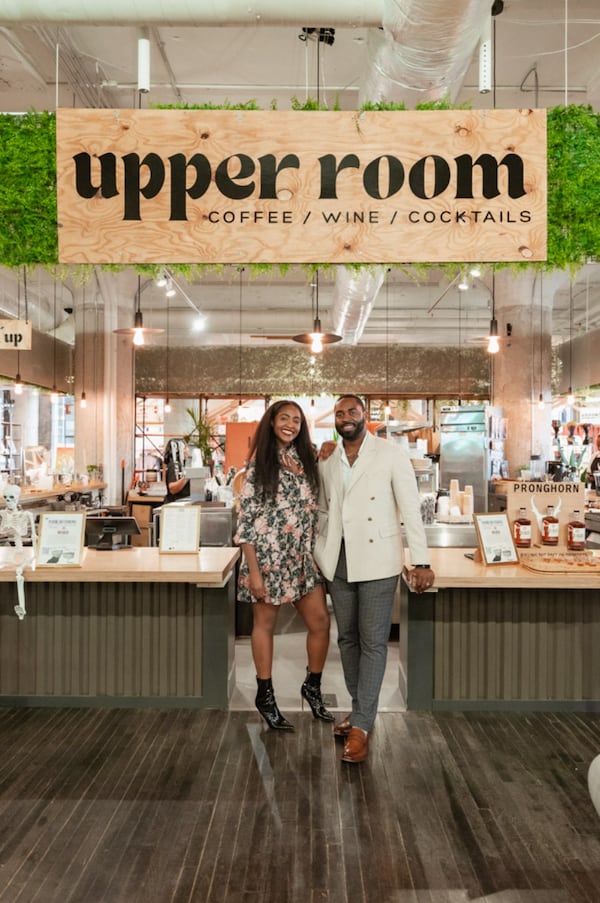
(42, 495)
(210, 567)
(452, 569)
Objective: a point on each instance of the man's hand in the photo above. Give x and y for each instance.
(420, 579)
(327, 449)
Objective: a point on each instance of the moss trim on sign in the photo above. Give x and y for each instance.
(28, 189)
(28, 212)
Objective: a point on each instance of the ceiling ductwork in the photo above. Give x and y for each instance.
(353, 298)
(420, 53)
(417, 50)
(423, 49)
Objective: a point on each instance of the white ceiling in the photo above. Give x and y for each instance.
(270, 60)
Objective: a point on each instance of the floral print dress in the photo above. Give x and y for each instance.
(282, 530)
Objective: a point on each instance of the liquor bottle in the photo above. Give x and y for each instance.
(576, 533)
(550, 528)
(522, 530)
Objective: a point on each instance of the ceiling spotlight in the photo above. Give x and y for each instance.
(475, 272)
(170, 289)
(161, 281)
(199, 323)
(463, 284)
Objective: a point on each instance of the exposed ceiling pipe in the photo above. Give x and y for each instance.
(421, 53)
(419, 50)
(342, 13)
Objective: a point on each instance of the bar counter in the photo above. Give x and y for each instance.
(131, 627)
(501, 637)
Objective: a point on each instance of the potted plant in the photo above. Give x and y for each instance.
(199, 436)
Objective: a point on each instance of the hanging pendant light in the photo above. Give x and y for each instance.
(83, 398)
(18, 381)
(138, 330)
(240, 271)
(493, 346)
(317, 338)
(570, 395)
(387, 409)
(167, 402)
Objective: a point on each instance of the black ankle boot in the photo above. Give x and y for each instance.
(311, 691)
(267, 706)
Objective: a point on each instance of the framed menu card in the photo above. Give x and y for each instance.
(495, 539)
(180, 529)
(60, 539)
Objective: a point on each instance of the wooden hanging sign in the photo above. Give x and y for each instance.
(230, 186)
(15, 335)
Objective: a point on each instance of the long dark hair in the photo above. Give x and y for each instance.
(264, 451)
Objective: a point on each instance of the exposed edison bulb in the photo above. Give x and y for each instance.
(168, 407)
(18, 385)
(54, 396)
(83, 401)
(387, 410)
(570, 396)
(317, 342)
(493, 345)
(138, 336)
(541, 401)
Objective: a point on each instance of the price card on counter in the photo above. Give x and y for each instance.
(180, 529)
(60, 541)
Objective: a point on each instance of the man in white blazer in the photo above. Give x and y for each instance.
(368, 490)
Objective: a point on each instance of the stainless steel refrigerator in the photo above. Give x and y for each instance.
(471, 448)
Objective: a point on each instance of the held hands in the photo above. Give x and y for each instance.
(420, 579)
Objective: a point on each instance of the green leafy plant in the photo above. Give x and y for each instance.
(200, 435)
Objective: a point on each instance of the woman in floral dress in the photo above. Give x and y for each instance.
(276, 532)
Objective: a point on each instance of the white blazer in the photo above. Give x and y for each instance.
(380, 495)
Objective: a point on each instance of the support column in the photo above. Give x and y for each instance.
(521, 370)
(89, 376)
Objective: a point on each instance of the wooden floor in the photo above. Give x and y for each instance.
(164, 805)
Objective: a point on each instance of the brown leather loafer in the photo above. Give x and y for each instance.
(356, 747)
(342, 729)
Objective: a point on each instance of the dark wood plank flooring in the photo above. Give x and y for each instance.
(167, 806)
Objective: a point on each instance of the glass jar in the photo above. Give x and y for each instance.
(536, 467)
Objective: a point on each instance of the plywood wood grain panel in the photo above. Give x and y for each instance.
(169, 186)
